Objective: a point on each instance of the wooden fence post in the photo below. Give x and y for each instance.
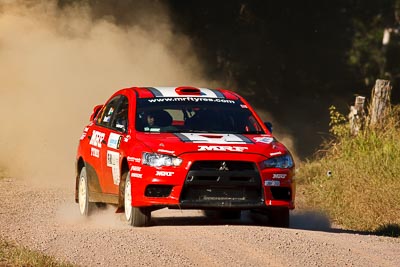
(380, 104)
(357, 115)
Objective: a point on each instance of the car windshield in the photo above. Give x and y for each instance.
(195, 114)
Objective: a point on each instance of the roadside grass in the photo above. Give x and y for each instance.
(356, 180)
(13, 255)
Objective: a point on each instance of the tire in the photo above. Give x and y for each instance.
(279, 217)
(85, 207)
(137, 217)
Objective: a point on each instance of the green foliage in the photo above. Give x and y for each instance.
(12, 255)
(366, 54)
(338, 123)
(362, 191)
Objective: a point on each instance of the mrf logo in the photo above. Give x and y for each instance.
(279, 176)
(222, 148)
(162, 173)
(97, 138)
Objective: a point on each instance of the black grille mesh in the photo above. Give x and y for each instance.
(217, 164)
(221, 183)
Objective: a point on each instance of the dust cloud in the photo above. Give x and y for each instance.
(57, 63)
(310, 220)
(100, 218)
(280, 132)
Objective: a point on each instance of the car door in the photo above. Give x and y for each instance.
(91, 142)
(112, 154)
(102, 137)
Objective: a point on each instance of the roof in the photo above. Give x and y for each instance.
(184, 91)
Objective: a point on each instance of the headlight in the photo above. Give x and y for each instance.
(281, 162)
(159, 160)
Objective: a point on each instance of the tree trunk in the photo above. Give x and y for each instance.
(357, 115)
(380, 105)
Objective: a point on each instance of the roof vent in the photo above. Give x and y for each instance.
(186, 90)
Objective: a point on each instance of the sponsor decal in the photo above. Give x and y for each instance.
(112, 158)
(265, 140)
(147, 129)
(189, 99)
(164, 173)
(94, 152)
(97, 138)
(114, 140)
(120, 126)
(275, 153)
(83, 136)
(272, 183)
(220, 139)
(106, 118)
(113, 162)
(136, 175)
(279, 176)
(243, 106)
(222, 148)
(166, 151)
(133, 159)
(126, 138)
(136, 169)
(86, 129)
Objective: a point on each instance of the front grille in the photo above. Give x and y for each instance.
(215, 165)
(222, 184)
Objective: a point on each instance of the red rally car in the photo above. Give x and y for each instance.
(189, 148)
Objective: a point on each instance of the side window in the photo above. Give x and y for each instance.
(107, 112)
(120, 119)
(253, 125)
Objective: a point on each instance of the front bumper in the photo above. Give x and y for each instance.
(231, 180)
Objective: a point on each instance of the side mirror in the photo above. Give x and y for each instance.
(96, 110)
(269, 126)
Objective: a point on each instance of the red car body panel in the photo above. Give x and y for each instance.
(108, 152)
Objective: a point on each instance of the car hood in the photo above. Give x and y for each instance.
(180, 143)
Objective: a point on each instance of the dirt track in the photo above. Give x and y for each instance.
(48, 220)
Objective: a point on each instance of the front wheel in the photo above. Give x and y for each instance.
(137, 217)
(85, 207)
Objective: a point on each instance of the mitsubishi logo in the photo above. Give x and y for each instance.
(223, 167)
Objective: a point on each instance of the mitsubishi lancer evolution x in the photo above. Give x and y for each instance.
(149, 148)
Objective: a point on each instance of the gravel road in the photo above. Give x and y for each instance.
(48, 220)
